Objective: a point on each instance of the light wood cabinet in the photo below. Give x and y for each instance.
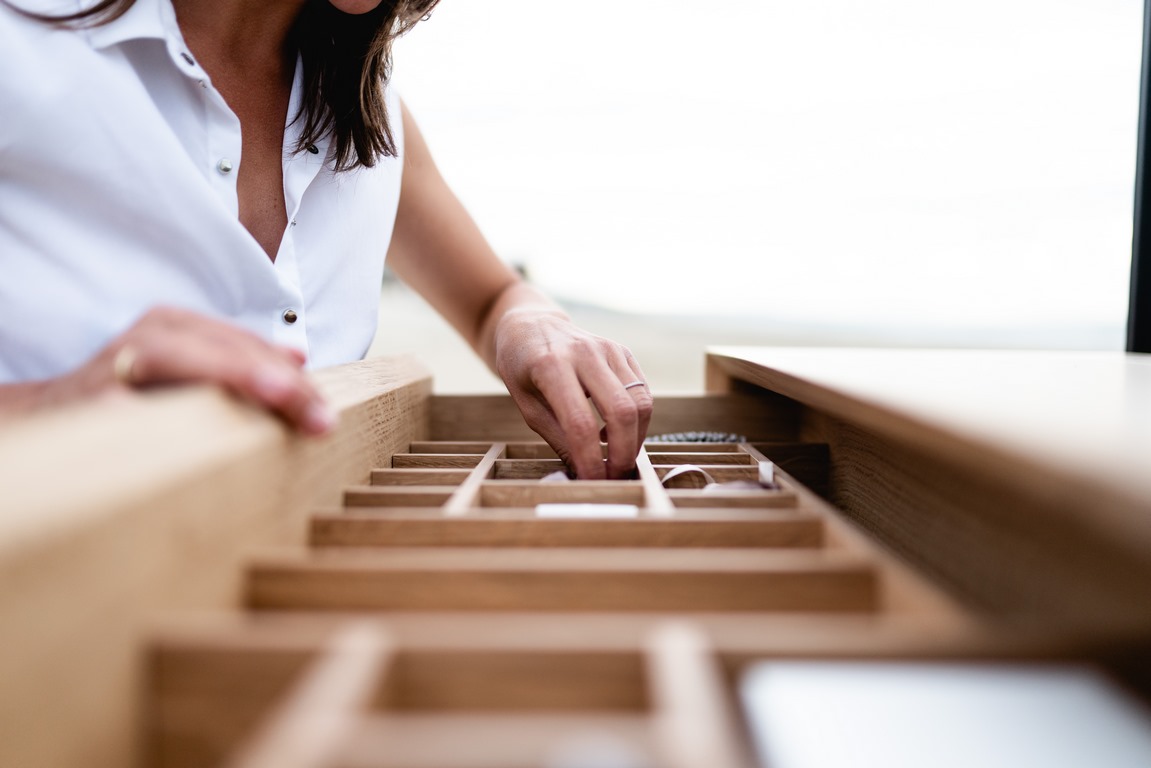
(185, 583)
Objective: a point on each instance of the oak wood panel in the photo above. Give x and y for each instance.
(711, 457)
(1020, 479)
(527, 469)
(396, 496)
(656, 500)
(563, 579)
(719, 529)
(655, 446)
(809, 462)
(479, 740)
(691, 498)
(418, 476)
(536, 449)
(307, 728)
(902, 590)
(495, 417)
(1069, 429)
(449, 667)
(206, 695)
(693, 716)
(449, 446)
(513, 493)
(435, 460)
(466, 496)
(514, 679)
(147, 522)
(221, 655)
(721, 473)
(983, 538)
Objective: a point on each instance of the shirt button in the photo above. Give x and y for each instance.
(224, 166)
(187, 58)
(290, 316)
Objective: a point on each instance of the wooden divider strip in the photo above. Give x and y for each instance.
(478, 447)
(466, 496)
(527, 469)
(389, 477)
(525, 449)
(622, 579)
(694, 721)
(738, 458)
(718, 528)
(507, 740)
(397, 496)
(656, 501)
(313, 722)
(521, 493)
(435, 460)
(690, 498)
(721, 473)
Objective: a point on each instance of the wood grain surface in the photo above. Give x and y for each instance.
(480, 579)
(1021, 480)
(113, 512)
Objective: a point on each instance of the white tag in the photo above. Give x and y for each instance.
(587, 511)
(766, 474)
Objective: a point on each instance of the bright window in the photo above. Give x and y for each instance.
(902, 171)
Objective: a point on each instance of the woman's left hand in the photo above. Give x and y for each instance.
(561, 376)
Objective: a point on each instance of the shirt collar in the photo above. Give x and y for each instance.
(145, 20)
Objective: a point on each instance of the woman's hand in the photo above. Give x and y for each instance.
(550, 366)
(556, 373)
(173, 346)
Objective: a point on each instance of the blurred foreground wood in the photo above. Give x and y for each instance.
(183, 582)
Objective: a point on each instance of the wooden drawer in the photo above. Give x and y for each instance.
(412, 574)
(506, 690)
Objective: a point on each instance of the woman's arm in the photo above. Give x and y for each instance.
(550, 366)
(169, 346)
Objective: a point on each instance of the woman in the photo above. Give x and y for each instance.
(160, 224)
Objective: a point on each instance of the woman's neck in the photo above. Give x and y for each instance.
(239, 35)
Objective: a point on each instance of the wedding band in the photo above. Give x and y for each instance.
(123, 364)
(636, 383)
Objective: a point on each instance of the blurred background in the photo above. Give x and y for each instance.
(825, 172)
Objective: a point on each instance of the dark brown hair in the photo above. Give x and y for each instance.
(346, 61)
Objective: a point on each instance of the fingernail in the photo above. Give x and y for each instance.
(318, 419)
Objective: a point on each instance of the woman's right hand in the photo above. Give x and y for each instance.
(175, 346)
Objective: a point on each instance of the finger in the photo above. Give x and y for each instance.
(645, 401)
(173, 321)
(296, 356)
(620, 412)
(564, 395)
(249, 368)
(543, 422)
(288, 391)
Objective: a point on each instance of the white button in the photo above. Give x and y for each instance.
(224, 166)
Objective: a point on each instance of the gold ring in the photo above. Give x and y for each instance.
(636, 383)
(122, 365)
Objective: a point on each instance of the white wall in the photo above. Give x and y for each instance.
(928, 169)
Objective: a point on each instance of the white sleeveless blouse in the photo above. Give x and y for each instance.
(118, 165)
